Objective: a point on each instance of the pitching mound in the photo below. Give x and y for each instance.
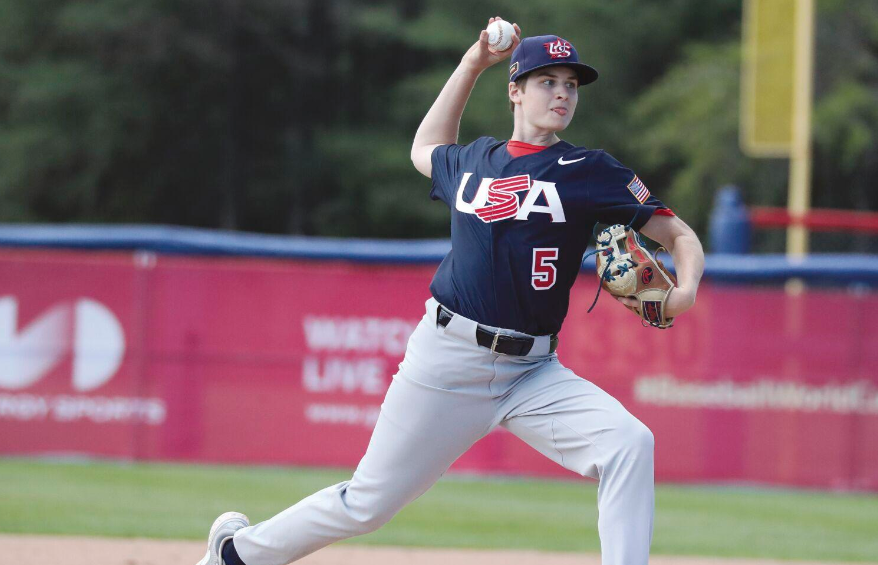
(49, 550)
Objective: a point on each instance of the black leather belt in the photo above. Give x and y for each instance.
(497, 342)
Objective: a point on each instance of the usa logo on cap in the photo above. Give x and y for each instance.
(558, 49)
(544, 51)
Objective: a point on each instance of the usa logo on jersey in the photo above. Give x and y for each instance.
(638, 189)
(497, 199)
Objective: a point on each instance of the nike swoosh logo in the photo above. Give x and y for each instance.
(561, 161)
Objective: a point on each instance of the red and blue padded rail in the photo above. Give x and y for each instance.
(816, 219)
(831, 269)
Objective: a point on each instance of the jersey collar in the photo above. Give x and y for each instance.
(552, 150)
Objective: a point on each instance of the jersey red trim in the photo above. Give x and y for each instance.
(520, 148)
(664, 212)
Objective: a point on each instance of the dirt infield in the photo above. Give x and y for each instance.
(50, 550)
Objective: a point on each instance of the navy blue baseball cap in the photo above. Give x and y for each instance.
(545, 51)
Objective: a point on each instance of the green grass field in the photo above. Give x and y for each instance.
(181, 501)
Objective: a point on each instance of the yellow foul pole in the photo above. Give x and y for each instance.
(799, 198)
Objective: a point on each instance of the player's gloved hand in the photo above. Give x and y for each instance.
(480, 56)
(629, 272)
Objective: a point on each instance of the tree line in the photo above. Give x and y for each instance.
(297, 116)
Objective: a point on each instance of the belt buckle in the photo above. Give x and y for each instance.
(494, 345)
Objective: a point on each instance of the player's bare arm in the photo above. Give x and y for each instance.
(442, 123)
(683, 245)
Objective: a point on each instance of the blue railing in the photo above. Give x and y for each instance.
(843, 269)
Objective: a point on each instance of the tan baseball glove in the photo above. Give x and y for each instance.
(626, 268)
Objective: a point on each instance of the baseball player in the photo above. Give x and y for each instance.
(483, 355)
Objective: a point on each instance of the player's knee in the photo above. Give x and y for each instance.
(636, 439)
(645, 440)
(367, 511)
(373, 518)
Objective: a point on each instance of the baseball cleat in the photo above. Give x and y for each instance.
(222, 530)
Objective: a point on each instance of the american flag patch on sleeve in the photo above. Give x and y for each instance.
(638, 189)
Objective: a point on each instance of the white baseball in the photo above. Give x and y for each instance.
(500, 33)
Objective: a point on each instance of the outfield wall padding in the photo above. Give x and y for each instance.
(151, 357)
(827, 269)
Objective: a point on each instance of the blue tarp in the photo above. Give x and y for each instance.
(824, 268)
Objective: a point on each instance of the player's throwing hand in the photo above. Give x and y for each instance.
(480, 56)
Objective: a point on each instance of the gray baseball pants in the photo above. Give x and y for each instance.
(449, 392)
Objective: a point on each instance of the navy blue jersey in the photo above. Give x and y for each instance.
(519, 227)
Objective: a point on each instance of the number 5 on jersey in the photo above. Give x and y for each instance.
(544, 272)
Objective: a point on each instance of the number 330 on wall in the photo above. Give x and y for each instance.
(544, 273)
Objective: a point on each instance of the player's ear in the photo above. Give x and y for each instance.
(514, 95)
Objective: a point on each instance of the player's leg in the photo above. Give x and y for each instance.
(426, 422)
(584, 429)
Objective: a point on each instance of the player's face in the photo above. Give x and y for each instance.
(549, 98)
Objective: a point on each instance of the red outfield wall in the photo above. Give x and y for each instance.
(285, 362)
